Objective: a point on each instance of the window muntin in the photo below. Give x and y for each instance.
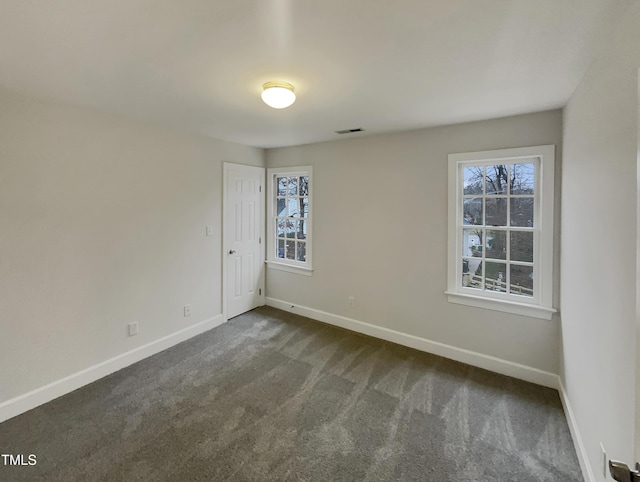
(498, 228)
(290, 217)
(501, 230)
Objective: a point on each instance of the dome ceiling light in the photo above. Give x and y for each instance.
(278, 94)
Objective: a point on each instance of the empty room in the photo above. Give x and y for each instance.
(269, 240)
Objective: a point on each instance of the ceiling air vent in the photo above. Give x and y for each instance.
(350, 131)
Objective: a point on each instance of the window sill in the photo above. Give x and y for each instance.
(501, 305)
(289, 268)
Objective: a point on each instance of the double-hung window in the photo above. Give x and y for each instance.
(501, 230)
(290, 231)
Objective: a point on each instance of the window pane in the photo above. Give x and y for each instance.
(301, 231)
(496, 180)
(290, 249)
(290, 228)
(293, 206)
(475, 270)
(522, 212)
(522, 178)
(293, 186)
(473, 179)
(292, 232)
(496, 212)
(282, 186)
(303, 185)
(522, 280)
(472, 210)
(297, 207)
(301, 252)
(496, 244)
(521, 246)
(471, 279)
(495, 276)
(472, 242)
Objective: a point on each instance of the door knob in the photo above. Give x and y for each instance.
(232, 251)
(621, 472)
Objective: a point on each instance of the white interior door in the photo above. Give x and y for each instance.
(243, 238)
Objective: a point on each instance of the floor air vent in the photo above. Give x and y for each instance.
(349, 131)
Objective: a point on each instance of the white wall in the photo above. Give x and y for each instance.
(599, 247)
(102, 222)
(380, 234)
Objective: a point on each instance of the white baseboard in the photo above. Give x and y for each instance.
(39, 396)
(469, 357)
(581, 452)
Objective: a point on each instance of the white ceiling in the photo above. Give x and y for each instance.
(384, 66)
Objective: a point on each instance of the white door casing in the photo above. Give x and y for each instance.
(637, 353)
(243, 238)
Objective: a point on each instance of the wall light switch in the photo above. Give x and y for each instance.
(187, 310)
(210, 231)
(133, 328)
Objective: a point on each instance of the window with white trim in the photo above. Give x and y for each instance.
(289, 240)
(501, 230)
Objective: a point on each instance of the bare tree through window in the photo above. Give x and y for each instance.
(498, 218)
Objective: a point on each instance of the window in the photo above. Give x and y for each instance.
(289, 243)
(501, 230)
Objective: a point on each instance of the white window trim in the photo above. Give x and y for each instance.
(290, 266)
(540, 306)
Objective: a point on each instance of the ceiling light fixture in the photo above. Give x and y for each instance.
(278, 94)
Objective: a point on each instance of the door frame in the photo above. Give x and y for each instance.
(226, 167)
(636, 424)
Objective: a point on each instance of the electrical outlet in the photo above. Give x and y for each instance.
(605, 464)
(187, 310)
(351, 301)
(133, 328)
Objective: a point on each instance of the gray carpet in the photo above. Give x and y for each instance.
(274, 396)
